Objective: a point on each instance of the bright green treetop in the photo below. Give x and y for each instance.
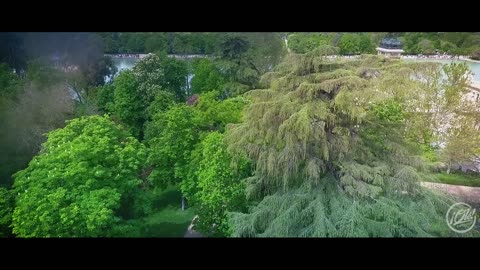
(78, 183)
(173, 134)
(7, 201)
(207, 77)
(214, 185)
(128, 103)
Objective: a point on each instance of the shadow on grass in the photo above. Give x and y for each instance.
(459, 179)
(168, 197)
(166, 229)
(168, 219)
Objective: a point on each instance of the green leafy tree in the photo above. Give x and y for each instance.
(348, 44)
(234, 47)
(449, 42)
(206, 77)
(449, 47)
(266, 50)
(110, 42)
(463, 142)
(458, 80)
(214, 186)
(155, 73)
(238, 66)
(128, 103)
(457, 38)
(317, 172)
(150, 74)
(366, 45)
(432, 106)
(410, 42)
(389, 111)
(212, 113)
(80, 182)
(475, 54)
(172, 135)
(425, 46)
(351, 43)
(8, 82)
(137, 94)
(171, 42)
(457, 117)
(7, 201)
(176, 72)
(162, 102)
(105, 97)
(133, 42)
(305, 42)
(157, 42)
(386, 117)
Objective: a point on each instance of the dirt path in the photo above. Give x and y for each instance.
(467, 194)
(190, 233)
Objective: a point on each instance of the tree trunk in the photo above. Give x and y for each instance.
(183, 203)
(73, 87)
(448, 169)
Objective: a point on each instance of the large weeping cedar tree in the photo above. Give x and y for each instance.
(84, 182)
(327, 138)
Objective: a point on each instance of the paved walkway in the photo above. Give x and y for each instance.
(468, 194)
(475, 85)
(190, 233)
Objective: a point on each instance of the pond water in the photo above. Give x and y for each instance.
(124, 63)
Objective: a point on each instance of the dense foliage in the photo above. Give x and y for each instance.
(207, 77)
(453, 43)
(7, 202)
(173, 134)
(320, 170)
(462, 43)
(81, 184)
(214, 185)
(261, 135)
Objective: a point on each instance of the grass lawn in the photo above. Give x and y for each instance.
(458, 179)
(169, 220)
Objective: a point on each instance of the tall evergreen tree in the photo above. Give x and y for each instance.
(330, 152)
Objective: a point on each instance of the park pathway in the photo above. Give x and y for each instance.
(467, 194)
(190, 233)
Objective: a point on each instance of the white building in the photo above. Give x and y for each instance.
(394, 53)
(390, 47)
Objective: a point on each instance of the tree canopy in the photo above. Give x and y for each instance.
(173, 134)
(214, 185)
(264, 135)
(80, 183)
(328, 161)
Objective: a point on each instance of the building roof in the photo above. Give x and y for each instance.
(390, 43)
